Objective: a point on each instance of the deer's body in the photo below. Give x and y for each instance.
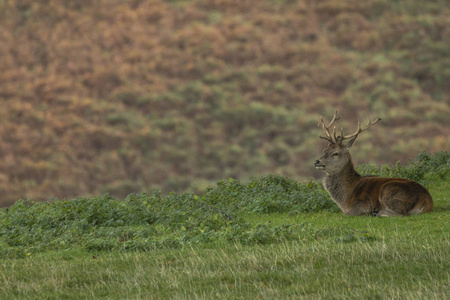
(372, 195)
(367, 195)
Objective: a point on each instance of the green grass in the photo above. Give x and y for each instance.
(407, 258)
(146, 247)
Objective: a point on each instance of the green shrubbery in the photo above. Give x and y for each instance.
(271, 194)
(426, 167)
(147, 221)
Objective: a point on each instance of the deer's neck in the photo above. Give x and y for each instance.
(341, 185)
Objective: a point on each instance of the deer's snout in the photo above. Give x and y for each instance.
(319, 165)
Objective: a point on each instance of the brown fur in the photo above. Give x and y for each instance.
(369, 195)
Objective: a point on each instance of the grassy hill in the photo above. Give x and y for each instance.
(129, 96)
(271, 238)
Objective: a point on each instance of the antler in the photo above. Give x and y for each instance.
(332, 138)
(326, 129)
(360, 129)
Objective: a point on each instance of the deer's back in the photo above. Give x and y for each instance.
(398, 194)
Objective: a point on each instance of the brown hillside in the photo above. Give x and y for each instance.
(128, 96)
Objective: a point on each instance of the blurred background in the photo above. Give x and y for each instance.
(115, 96)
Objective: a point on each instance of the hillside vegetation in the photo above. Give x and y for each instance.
(114, 96)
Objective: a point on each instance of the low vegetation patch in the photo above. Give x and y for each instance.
(148, 221)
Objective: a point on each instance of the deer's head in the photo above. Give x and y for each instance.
(336, 156)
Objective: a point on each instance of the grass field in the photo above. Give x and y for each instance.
(332, 257)
(271, 238)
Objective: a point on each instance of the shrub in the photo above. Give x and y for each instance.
(271, 194)
(425, 167)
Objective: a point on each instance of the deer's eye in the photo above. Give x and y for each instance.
(335, 154)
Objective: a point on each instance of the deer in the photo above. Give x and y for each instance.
(358, 195)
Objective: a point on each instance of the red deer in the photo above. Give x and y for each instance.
(366, 195)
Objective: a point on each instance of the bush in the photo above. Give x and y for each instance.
(424, 168)
(271, 194)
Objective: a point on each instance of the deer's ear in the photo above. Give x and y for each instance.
(350, 142)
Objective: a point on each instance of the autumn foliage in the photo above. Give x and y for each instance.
(115, 96)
